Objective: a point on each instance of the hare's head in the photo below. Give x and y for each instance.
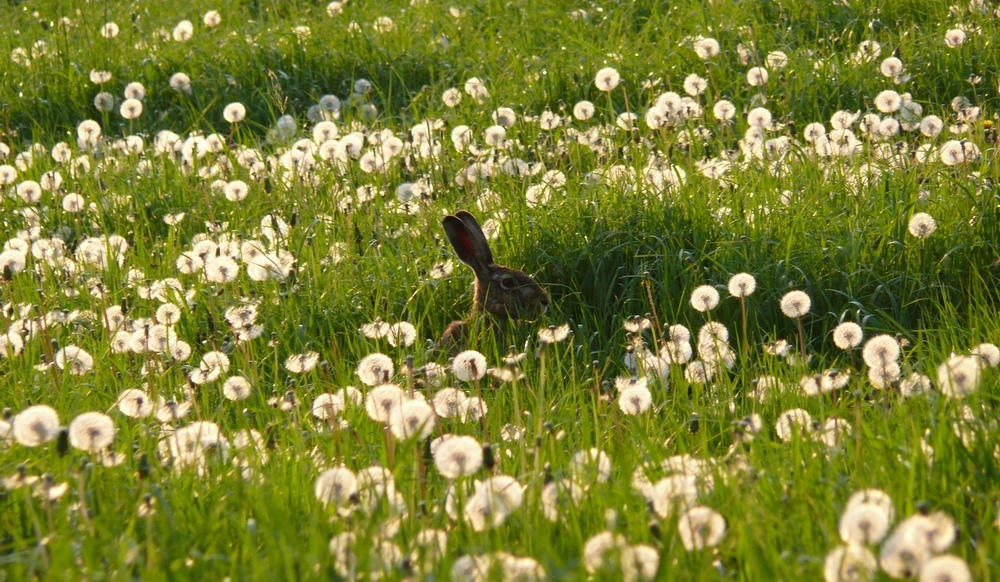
(504, 292)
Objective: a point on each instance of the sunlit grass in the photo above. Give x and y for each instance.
(620, 225)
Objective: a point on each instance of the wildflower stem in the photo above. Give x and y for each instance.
(652, 305)
(802, 341)
(540, 408)
(745, 347)
(390, 452)
(47, 346)
(857, 426)
(482, 417)
(81, 483)
(150, 544)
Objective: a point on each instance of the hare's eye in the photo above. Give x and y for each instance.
(508, 282)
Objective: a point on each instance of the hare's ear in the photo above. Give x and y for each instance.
(465, 243)
(479, 238)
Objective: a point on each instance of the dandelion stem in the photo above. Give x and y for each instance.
(390, 451)
(802, 341)
(479, 404)
(743, 316)
(150, 544)
(81, 483)
(652, 305)
(540, 408)
(857, 427)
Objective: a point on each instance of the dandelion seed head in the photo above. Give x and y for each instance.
(328, 406)
(451, 97)
(635, 400)
(236, 388)
(212, 18)
(880, 350)
(795, 421)
(607, 79)
(234, 112)
(724, 110)
(776, 60)
(147, 507)
(849, 563)
(413, 419)
(742, 285)
(954, 38)
(504, 117)
(104, 101)
(554, 334)
(30, 191)
(697, 372)
(891, 67)
(457, 456)
(495, 136)
(757, 76)
(109, 30)
(863, 524)
(884, 376)
(712, 333)
(476, 89)
(583, 110)
(847, 335)
(914, 384)
(590, 466)
(945, 568)
(921, 225)
(636, 324)
(704, 298)
(382, 400)
(695, 85)
(401, 334)
(931, 126)
(469, 366)
(706, 48)
(135, 403)
(335, 8)
(180, 82)
(375, 368)
(75, 360)
(35, 425)
(598, 549)
(872, 496)
(91, 432)
(748, 427)
(760, 118)
(448, 402)
(988, 353)
(701, 527)
(99, 77)
(301, 363)
(795, 304)
(888, 101)
(337, 486)
(13, 261)
(131, 109)
(183, 31)
(959, 376)
(904, 553)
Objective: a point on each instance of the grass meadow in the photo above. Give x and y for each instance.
(769, 231)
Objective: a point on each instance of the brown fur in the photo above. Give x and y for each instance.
(501, 291)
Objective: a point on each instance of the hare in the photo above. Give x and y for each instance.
(506, 293)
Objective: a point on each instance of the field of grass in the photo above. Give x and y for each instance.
(769, 232)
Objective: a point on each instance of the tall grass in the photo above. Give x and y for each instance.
(606, 250)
